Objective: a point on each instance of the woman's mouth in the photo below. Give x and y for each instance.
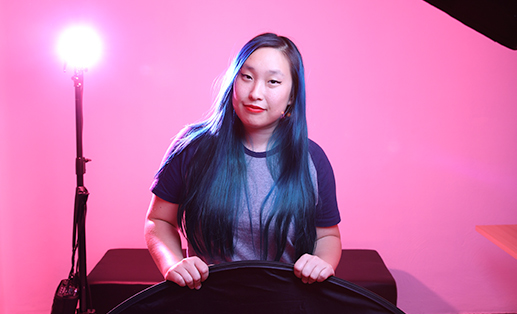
(253, 108)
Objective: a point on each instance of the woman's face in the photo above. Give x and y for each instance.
(262, 89)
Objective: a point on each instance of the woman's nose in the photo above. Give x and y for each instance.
(257, 91)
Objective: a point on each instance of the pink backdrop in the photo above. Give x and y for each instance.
(416, 112)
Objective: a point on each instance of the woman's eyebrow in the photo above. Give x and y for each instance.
(273, 71)
(248, 67)
(276, 72)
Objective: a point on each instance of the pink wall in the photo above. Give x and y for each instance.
(416, 112)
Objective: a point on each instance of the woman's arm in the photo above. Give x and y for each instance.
(323, 262)
(164, 243)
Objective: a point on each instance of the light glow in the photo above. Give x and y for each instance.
(79, 47)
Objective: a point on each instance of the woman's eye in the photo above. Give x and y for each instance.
(274, 82)
(246, 76)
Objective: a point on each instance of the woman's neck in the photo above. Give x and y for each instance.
(257, 140)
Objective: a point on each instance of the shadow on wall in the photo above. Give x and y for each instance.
(414, 297)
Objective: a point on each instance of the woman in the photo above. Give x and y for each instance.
(247, 183)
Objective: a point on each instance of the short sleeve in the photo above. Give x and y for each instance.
(169, 183)
(327, 214)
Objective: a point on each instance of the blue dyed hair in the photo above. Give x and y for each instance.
(216, 180)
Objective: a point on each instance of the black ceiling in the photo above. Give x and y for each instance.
(496, 19)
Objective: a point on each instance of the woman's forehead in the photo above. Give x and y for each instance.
(270, 60)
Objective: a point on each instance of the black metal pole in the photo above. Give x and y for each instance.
(78, 79)
(81, 196)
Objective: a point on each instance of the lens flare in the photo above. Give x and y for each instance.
(80, 47)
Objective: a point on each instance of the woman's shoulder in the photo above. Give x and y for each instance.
(187, 141)
(318, 156)
(315, 150)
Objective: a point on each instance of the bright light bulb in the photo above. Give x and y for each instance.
(80, 47)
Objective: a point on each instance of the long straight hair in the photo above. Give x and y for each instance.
(216, 180)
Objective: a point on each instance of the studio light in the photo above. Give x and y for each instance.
(80, 47)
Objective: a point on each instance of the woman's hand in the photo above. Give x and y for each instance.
(311, 268)
(164, 242)
(321, 265)
(190, 271)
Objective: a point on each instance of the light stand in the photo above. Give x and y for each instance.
(81, 196)
(79, 46)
